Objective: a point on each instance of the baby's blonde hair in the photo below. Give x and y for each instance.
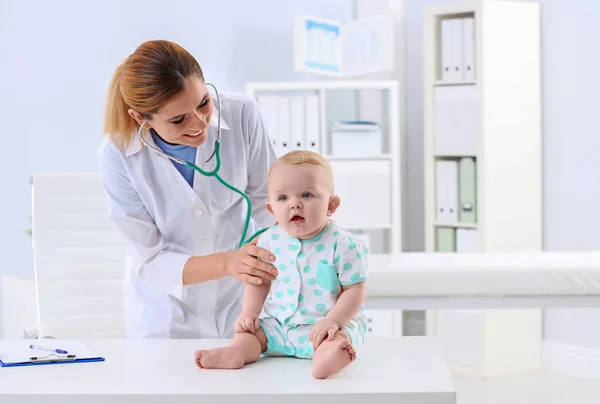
(301, 157)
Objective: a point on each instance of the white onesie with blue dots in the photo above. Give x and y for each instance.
(310, 279)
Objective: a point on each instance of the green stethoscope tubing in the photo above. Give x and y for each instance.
(214, 172)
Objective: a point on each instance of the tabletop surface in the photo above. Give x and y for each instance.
(394, 365)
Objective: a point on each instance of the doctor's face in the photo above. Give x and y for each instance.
(184, 119)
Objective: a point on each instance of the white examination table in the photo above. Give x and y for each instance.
(419, 281)
(388, 370)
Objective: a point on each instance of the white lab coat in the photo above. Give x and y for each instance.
(164, 222)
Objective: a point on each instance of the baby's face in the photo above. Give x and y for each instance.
(299, 198)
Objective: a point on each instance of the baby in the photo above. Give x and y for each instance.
(314, 308)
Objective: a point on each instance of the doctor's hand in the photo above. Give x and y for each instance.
(250, 264)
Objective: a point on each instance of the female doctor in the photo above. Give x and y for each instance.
(184, 272)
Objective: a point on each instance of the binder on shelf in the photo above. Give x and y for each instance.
(297, 122)
(45, 352)
(447, 191)
(468, 48)
(284, 131)
(445, 239)
(455, 120)
(451, 49)
(267, 104)
(312, 123)
(466, 241)
(467, 185)
(440, 192)
(452, 190)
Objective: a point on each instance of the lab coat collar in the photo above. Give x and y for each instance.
(136, 145)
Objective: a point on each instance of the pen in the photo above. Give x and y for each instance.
(60, 351)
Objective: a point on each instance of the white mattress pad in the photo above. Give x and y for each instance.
(536, 273)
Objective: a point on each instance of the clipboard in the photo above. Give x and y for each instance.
(34, 352)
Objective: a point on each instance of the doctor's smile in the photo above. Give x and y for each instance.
(196, 134)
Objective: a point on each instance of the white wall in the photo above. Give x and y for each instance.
(571, 123)
(571, 86)
(58, 58)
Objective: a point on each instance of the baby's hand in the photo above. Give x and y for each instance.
(325, 328)
(247, 322)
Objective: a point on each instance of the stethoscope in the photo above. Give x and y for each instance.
(214, 172)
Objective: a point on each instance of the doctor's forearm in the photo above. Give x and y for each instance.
(204, 268)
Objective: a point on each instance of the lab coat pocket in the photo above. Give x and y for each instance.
(327, 277)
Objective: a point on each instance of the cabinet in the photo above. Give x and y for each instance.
(483, 165)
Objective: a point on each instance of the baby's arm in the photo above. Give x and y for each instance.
(352, 274)
(252, 304)
(348, 304)
(254, 298)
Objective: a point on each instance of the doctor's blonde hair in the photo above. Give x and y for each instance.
(306, 157)
(144, 82)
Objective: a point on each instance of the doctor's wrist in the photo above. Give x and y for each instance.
(223, 263)
(204, 268)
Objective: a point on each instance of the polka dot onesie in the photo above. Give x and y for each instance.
(311, 275)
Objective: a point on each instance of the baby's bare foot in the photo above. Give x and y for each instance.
(220, 358)
(344, 344)
(332, 356)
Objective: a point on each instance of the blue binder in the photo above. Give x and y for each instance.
(45, 352)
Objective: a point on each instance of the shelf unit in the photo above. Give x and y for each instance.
(373, 210)
(488, 95)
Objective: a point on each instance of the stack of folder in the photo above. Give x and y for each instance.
(292, 121)
(457, 49)
(456, 204)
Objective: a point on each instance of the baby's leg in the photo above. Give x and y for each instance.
(244, 348)
(332, 356)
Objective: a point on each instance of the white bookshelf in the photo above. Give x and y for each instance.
(369, 185)
(501, 98)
